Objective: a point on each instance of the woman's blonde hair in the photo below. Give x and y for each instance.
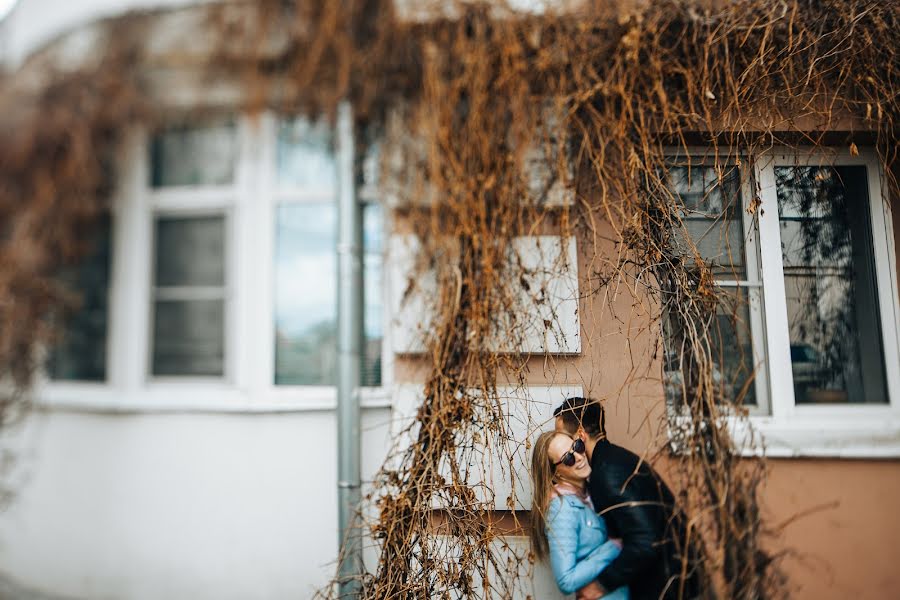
(542, 473)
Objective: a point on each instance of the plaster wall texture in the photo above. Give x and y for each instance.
(178, 505)
(841, 525)
(842, 528)
(183, 506)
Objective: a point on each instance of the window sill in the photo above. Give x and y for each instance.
(832, 432)
(853, 435)
(196, 398)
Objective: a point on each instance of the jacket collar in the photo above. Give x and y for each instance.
(574, 497)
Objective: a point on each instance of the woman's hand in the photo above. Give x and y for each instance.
(617, 542)
(591, 591)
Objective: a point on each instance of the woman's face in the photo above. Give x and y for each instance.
(559, 446)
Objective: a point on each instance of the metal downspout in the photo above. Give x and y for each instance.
(349, 348)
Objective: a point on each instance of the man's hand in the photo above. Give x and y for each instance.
(591, 591)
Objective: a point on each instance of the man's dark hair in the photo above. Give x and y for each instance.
(584, 412)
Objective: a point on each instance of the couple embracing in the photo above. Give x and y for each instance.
(602, 516)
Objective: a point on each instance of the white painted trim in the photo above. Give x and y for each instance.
(755, 295)
(298, 195)
(778, 343)
(835, 436)
(831, 436)
(260, 355)
(138, 251)
(757, 308)
(190, 293)
(198, 198)
(885, 275)
(212, 397)
(125, 299)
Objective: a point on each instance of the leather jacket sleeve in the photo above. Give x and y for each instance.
(631, 515)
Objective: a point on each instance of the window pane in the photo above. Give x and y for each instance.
(373, 244)
(371, 164)
(194, 156)
(190, 251)
(81, 353)
(731, 351)
(829, 277)
(712, 216)
(188, 337)
(305, 155)
(305, 294)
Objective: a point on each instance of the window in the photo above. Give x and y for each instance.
(306, 263)
(223, 288)
(188, 155)
(305, 314)
(80, 355)
(802, 248)
(718, 230)
(830, 286)
(189, 296)
(373, 302)
(192, 177)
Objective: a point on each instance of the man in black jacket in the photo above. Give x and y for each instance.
(638, 508)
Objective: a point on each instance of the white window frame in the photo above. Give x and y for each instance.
(852, 430)
(833, 430)
(753, 281)
(282, 195)
(248, 205)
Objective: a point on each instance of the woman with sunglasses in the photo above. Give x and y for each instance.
(564, 525)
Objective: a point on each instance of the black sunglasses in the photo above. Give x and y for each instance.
(568, 458)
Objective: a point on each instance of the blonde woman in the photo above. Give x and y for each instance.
(564, 526)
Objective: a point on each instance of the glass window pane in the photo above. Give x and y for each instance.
(305, 155)
(80, 355)
(194, 156)
(188, 337)
(731, 349)
(829, 278)
(305, 294)
(190, 251)
(373, 240)
(371, 164)
(713, 217)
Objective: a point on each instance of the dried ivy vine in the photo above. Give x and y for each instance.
(603, 92)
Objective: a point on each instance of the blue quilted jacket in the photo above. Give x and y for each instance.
(579, 545)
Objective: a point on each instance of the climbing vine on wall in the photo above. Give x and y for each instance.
(463, 97)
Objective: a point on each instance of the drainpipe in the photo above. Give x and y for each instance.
(349, 348)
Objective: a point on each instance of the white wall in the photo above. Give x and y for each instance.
(178, 505)
(184, 505)
(32, 23)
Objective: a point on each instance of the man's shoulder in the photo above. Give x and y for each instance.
(619, 464)
(608, 453)
(611, 467)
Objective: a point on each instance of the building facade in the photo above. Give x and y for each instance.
(184, 439)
